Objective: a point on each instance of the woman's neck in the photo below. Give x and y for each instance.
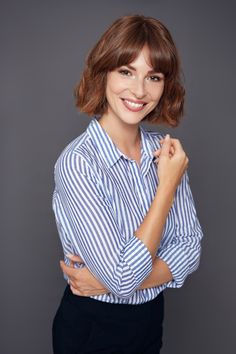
(126, 137)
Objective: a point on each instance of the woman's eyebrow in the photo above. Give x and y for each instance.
(133, 68)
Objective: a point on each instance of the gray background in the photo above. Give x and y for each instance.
(43, 47)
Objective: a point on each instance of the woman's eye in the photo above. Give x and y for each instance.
(124, 72)
(155, 78)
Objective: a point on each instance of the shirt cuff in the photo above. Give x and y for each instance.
(177, 260)
(138, 258)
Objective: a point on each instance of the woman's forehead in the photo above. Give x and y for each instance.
(134, 57)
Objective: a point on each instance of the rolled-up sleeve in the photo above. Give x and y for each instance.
(182, 254)
(84, 212)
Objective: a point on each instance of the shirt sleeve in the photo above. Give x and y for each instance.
(87, 218)
(182, 255)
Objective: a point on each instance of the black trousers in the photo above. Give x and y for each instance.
(83, 325)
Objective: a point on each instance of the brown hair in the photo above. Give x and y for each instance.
(120, 45)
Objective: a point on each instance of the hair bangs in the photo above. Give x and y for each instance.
(161, 59)
(128, 49)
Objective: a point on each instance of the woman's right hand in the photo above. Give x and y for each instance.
(172, 163)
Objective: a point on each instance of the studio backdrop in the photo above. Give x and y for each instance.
(43, 48)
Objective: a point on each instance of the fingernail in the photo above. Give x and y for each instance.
(167, 136)
(68, 255)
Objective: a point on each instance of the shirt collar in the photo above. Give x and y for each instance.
(109, 151)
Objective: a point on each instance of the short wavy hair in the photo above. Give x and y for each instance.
(120, 45)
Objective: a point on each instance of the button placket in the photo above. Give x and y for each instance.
(130, 172)
(139, 185)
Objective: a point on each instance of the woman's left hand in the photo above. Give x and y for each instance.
(81, 280)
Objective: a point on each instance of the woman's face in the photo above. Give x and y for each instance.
(134, 90)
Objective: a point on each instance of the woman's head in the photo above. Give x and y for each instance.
(120, 45)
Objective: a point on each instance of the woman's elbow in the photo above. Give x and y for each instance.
(125, 289)
(195, 258)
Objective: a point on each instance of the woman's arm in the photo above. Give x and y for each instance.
(83, 283)
(182, 254)
(176, 260)
(171, 167)
(160, 275)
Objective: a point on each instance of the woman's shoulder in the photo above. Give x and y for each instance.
(78, 151)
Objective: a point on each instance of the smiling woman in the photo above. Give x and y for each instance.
(119, 46)
(122, 200)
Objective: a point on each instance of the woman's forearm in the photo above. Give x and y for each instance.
(171, 167)
(160, 274)
(150, 231)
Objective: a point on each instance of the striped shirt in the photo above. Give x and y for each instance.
(100, 199)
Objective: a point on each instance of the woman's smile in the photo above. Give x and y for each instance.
(133, 106)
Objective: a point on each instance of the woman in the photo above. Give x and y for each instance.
(122, 201)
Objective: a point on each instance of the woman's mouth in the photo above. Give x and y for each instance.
(133, 106)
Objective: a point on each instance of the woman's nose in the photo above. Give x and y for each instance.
(138, 88)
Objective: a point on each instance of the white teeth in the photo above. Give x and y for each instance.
(132, 104)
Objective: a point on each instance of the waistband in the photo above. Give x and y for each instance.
(97, 304)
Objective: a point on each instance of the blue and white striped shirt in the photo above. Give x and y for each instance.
(100, 199)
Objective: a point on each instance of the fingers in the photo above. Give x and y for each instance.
(158, 151)
(69, 271)
(71, 264)
(74, 259)
(165, 150)
(89, 292)
(174, 142)
(169, 146)
(72, 283)
(76, 291)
